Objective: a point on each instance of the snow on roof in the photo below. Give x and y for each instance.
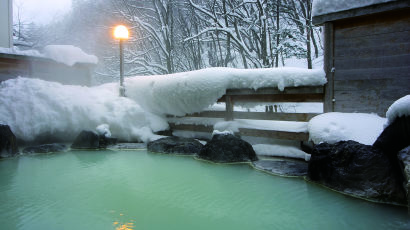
(17, 51)
(322, 7)
(335, 127)
(189, 92)
(68, 54)
(399, 108)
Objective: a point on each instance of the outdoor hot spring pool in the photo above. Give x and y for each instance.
(140, 190)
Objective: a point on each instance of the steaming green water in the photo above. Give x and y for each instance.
(138, 190)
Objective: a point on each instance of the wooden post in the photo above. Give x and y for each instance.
(229, 108)
(328, 100)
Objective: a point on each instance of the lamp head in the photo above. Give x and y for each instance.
(121, 32)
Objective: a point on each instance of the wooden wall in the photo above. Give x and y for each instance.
(12, 66)
(371, 57)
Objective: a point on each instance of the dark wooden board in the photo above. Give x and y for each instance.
(275, 98)
(374, 62)
(372, 40)
(374, 84)
(258, 115)
(266, 91)
(373, 73)
(384, 50)
(381, 24)
(299, 136)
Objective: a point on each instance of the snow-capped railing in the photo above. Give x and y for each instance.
(263, 95)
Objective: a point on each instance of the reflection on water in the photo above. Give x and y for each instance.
(138, 190)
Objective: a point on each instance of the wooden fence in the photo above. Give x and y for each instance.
(267, 95)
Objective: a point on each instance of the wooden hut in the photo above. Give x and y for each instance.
(367, 54)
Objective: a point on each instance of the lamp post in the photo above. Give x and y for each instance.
(121, 33)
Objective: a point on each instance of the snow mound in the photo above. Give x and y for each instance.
(104, 129)
(333, 127)
(190, 92)
(399, 108)
(280, 151)
(321, 7)
(68, 54)
(33, 108)
(226, 132)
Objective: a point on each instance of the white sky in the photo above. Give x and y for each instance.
(40, 11)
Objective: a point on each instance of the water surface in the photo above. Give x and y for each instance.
(140, 190)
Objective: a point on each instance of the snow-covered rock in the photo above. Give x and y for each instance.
(335, 127)
(399, 108)
(280, 151)
(321, 7)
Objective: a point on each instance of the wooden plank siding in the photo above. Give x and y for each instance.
(232, 96)
(371, 56)
(296, 136)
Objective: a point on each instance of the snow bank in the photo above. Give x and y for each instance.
(68, 54)
(399, 108)
(321, 7)
(280, 151)
(33, 107)
(189, 92)
(334, 127)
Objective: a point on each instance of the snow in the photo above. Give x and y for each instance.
(15, 50)
(280, 151)
(399, 108)
(322, 7)
(190, 92)
(216, 132)
(68, 54)
(104, 129)
(33, 107)
(333, 127)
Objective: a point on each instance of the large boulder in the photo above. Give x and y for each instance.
(8, 142)
(86, 140)
(175, 145)
(357, 169)
(227, 148)
(404, 159)
(46, 148)
(394, 137)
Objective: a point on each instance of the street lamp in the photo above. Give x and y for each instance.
(121, 33)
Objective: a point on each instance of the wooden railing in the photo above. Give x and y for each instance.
(267, 95)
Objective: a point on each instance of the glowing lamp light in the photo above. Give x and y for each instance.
(121, 32)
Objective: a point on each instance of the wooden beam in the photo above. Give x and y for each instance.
(267, 91)
(299, 136)
(328, 102)
(190, 127)
(258, 115)
(229, 108)
(274, 98)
